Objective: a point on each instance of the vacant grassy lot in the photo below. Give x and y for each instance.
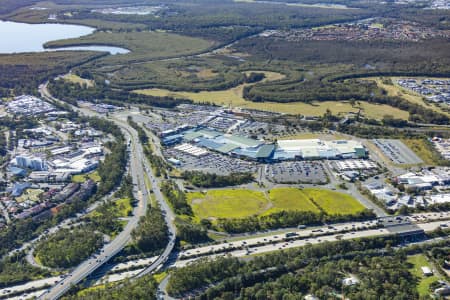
(243, 203)
(396, 90)
(418, 261)
(228, 203)
(77, 79)
(144, 45)
(290, 199)
(80, 178)
(233, 97)
(30, 194)
(334, 202)
(422, 149)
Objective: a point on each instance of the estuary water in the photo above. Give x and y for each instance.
(21, 37)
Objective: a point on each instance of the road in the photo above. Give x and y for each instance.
(167, 212)
(141, 193)
(5, 213)
(261, 244)
(64, 224)
(281, 244)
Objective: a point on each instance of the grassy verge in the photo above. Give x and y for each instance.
(425, 150)
(124, 207)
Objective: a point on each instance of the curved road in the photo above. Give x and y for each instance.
(141, 192)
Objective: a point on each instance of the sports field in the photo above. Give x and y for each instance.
(244, 203)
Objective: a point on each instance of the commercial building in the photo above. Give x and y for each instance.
(311, 149)
(355, 164)
(424, 180)
(258, 150)
(29, 105)
(33, 163)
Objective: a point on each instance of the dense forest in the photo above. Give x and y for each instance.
(67, 248)
(139, 289)
(15, 270)
(73, 92)
(208, 180)
(152, 233)
(22, 73)
(225, 21)
(176, 197)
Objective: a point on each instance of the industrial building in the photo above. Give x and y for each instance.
(424, 180)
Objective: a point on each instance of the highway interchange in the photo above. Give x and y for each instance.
(251, 245)
(138, 167)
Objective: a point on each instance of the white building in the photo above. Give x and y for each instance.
(34, 163)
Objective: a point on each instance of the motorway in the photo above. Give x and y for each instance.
(281, 244)
(141, 192)
(252, 245)
(276, 241)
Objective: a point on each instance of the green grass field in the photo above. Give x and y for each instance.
(244, 203)
(77, 79)
(290, 199)
(396, 90)
(334, 202)
(124, 207)
(234, 97)
(80, 178)
(418, 261)
(228, 203)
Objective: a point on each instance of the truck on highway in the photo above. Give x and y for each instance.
(291, 234)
